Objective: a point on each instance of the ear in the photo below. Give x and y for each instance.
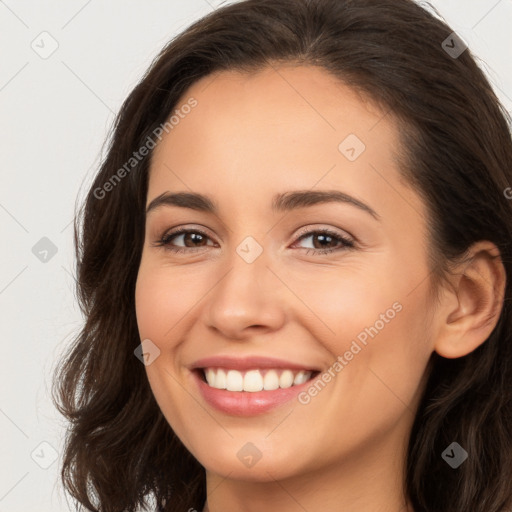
(472, 303)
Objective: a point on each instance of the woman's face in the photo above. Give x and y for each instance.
(253, 281)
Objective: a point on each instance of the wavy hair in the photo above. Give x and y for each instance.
(456, 153)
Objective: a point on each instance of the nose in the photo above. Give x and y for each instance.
(248, 299)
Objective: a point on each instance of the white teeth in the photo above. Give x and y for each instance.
(301, 377)
(270, 381)
(234, 381)
(221, 379)
(286, 379)
(209, 373)
(254, 380)
(216, 379)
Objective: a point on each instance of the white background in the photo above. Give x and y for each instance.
(54, 116)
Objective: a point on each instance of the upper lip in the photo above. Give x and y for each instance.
(248, 363)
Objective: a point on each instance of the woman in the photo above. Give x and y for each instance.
(294, 265)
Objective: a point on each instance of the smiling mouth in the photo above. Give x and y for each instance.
(254, 380)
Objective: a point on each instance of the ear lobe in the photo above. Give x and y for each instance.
(471, 308)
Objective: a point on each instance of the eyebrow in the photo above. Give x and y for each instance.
(282, 202)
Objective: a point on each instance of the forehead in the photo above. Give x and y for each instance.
(288, 127)
(286, 102)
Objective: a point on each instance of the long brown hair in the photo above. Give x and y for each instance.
(457, 153)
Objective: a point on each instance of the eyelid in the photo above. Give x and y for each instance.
(183, 230)
(318, 227)
(174, 230)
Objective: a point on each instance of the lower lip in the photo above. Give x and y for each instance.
(246, 403)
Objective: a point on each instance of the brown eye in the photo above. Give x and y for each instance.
(191, 238)
(325, 241)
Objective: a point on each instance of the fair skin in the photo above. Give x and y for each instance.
(250, 137)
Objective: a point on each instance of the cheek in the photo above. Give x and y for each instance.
(377, 382)
(161, 300)
(163, 296)
(378, 327)
(341, 303)
(395, 348)
(150, 303)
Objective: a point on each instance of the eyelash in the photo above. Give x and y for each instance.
(166, 239)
